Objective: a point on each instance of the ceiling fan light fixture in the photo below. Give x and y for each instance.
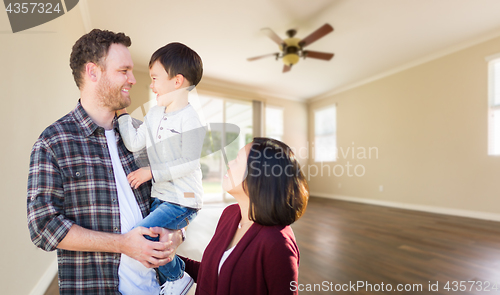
(291, 53)
(291, 59)
(292, 42)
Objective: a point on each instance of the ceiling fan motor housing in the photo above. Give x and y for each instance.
(291, 51)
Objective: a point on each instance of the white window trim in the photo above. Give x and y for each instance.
(270, 106)
(492, 59)
(275, 107)
(314, 130)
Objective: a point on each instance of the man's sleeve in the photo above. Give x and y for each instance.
(46, 220)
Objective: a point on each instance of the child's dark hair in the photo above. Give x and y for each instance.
(177, 58)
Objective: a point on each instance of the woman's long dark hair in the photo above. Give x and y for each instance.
(276, 186)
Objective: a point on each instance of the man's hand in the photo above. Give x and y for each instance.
(173, 237)
(139, 176)
(133, 244)
(151, 254)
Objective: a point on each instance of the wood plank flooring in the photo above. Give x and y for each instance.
(343, 244)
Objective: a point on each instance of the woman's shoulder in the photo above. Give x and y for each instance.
(278, 241)
(231, 211)
(278, 233)
(230, 217)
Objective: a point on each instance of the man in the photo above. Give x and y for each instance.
(79, 200)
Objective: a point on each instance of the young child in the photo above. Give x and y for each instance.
(173, 135)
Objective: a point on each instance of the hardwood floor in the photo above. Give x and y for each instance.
(343, 244)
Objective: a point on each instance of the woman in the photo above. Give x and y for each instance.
(253, 250)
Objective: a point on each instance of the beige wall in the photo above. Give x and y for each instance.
(429, 124)
(36, 89)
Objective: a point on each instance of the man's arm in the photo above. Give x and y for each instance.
(133, 244)
(50, 229)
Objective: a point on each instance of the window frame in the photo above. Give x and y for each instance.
(493, 60)
(334, 134)
(282, 109)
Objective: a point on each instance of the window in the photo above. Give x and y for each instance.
(494, 105)
(274, 122)
(213, 166)
(325, 134)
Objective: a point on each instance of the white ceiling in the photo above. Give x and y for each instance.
(370, 37)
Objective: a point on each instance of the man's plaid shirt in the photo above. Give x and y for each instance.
(71, 181)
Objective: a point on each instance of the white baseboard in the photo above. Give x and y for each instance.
(415, 207)
(44, 282)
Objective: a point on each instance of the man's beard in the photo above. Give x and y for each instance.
(111, 97)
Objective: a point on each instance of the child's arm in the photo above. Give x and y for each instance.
(139, 176)
(134, 139)
(192, 143)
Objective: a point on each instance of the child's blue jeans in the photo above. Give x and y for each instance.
(171, 216)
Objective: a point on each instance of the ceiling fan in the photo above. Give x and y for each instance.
(292, 49)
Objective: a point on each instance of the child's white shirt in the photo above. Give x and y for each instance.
(174, 141)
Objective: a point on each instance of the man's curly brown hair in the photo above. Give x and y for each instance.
(93, 47)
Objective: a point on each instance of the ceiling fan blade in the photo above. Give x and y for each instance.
(262, 56)
(318, 55)
(325, 29)
(271, 34)
(286, 68)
